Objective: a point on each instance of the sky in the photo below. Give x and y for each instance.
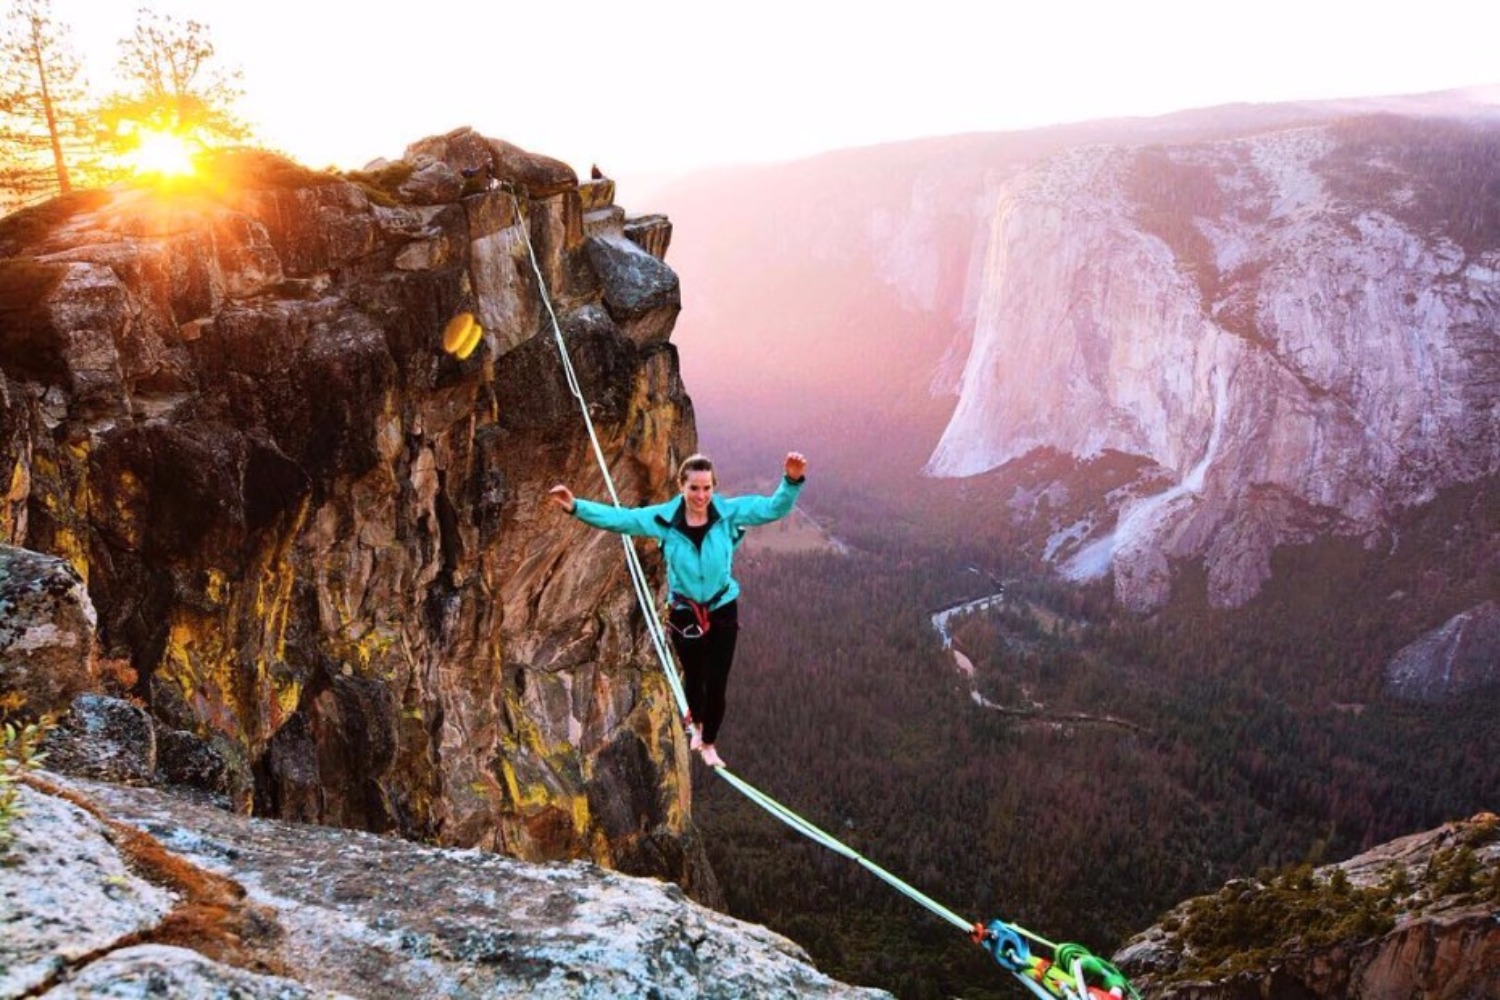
(649, 89)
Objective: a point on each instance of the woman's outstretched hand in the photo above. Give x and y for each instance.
(796, 465)
(562, 496)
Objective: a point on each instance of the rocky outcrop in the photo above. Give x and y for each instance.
(641, 292)
(1299, 343)
(105, 738)
(54, 918)
(113, 891)
(471, 154)
(1458, 657)
(162, 970)
(1414, 919)
(46, 631)
(319, 539)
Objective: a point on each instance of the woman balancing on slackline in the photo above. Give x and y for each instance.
(698, 533)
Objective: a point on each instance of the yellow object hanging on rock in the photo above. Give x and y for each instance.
(461, 335)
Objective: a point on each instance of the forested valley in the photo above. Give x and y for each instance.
(1262, 738)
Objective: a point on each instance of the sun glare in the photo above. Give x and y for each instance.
(161, 154)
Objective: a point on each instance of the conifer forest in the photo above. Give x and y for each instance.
(1117, 765)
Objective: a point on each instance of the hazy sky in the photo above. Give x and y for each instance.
(663, 86)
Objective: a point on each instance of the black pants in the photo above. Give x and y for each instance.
(705, 662)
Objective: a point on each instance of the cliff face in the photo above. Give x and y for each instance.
(1296, 330)
(318, 538)
(1414, 918)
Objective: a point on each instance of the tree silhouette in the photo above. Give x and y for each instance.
(173, 86)
(42, 104)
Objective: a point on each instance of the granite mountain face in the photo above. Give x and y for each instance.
(1296, 330)
(1280, 321)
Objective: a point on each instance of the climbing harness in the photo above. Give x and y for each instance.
(699, 610)
(700, 624)
(1071, 974)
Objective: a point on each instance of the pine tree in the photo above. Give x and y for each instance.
(173, 85)
(42, 101)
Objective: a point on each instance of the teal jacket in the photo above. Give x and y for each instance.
(701, 574)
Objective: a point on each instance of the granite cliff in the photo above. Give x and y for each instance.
(1134, 345)
(313, 538)
(1293, 332)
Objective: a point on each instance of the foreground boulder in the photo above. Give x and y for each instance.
(261, 908)
(46, 630)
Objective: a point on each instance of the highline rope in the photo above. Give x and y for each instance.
(1055, 980)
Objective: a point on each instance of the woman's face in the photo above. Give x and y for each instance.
(698, 490)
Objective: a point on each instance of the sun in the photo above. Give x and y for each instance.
(162, 154)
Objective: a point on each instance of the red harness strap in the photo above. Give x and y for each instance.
(700, 610)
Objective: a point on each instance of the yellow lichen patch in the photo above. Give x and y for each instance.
(512, 786)
(125, 501)
(244, 685)
(43, 468)
(647, 724)
(288, 695)
(530, 793)
(13, 508)
(581, 814)
(196, 662)
(271, 599)
(654, 725)
(526, 733)
(536, 793)
(177, 659)
(62, 492)
(215, 585)
(66, 545)
(274, 598)
(487, 789)
(363, 654)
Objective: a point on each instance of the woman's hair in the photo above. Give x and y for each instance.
(696, 463)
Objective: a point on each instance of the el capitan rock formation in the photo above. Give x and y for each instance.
(1137, 346)
(1296, 330)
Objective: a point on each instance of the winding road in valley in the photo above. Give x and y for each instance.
(1036, 712)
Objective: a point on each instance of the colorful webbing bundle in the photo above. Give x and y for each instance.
(1073, 972)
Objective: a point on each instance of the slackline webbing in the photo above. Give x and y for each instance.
(1049, 981)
